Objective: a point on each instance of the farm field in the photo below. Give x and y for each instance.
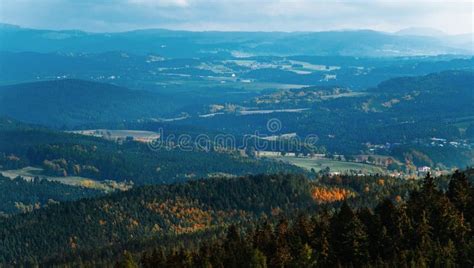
(111, 134)
(334, 165)
(29, 173)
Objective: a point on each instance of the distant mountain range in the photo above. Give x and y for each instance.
(421, 31)
(184, 44)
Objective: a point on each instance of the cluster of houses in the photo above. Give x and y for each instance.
(439, 142)
(379, 160)
(120, 136)
(290, 154)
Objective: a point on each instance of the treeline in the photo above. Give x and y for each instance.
(135, 162)
(65, 154)
(432, 229)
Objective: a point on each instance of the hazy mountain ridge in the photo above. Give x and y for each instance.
(421, 31)
(191, 44)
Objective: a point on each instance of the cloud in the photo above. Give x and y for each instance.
(243, 15)
(160, 3)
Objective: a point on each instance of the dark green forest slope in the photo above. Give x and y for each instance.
(96, 231)
(72, 102)
(93, 224)
(19, 195)
(431, 229)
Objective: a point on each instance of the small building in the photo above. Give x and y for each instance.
(317, 156)
(267, 154)
(242, 152)
(424, 169)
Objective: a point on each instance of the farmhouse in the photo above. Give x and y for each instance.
(424, 169)
(267, 154)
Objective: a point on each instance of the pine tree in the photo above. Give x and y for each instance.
(236, 249)
(283, 254)
(127, 261)
(155, 259)
(429, 186)
(320, 237)
(305, 257)
(258, 259)
(349, 241)
(459, 192)
(264, 239)
(446, 255)
(302, 228)
(374, 232)
(423, 241)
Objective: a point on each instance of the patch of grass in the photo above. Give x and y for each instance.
(334, 165)
(28, 173)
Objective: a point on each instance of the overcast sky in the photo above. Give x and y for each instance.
(452, 17)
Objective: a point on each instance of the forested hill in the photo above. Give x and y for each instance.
(444, 95)
(71, 102)
(147, 212)
(64, 154)
(411, 222)
(432, 229)
(443, 82)
(20, 195)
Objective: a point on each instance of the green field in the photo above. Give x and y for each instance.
(28, 173)
(334, 165)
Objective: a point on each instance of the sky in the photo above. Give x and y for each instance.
(452, 17)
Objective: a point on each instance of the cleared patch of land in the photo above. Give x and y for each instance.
(110, 134)
(334, 165)
(344, 95)
(249, 112)
(29, 173)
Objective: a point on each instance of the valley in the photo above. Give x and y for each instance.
(175, 148)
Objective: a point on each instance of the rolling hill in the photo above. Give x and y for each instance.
(62, 154)
(194, 214)
(147, 212)
(72, 102)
